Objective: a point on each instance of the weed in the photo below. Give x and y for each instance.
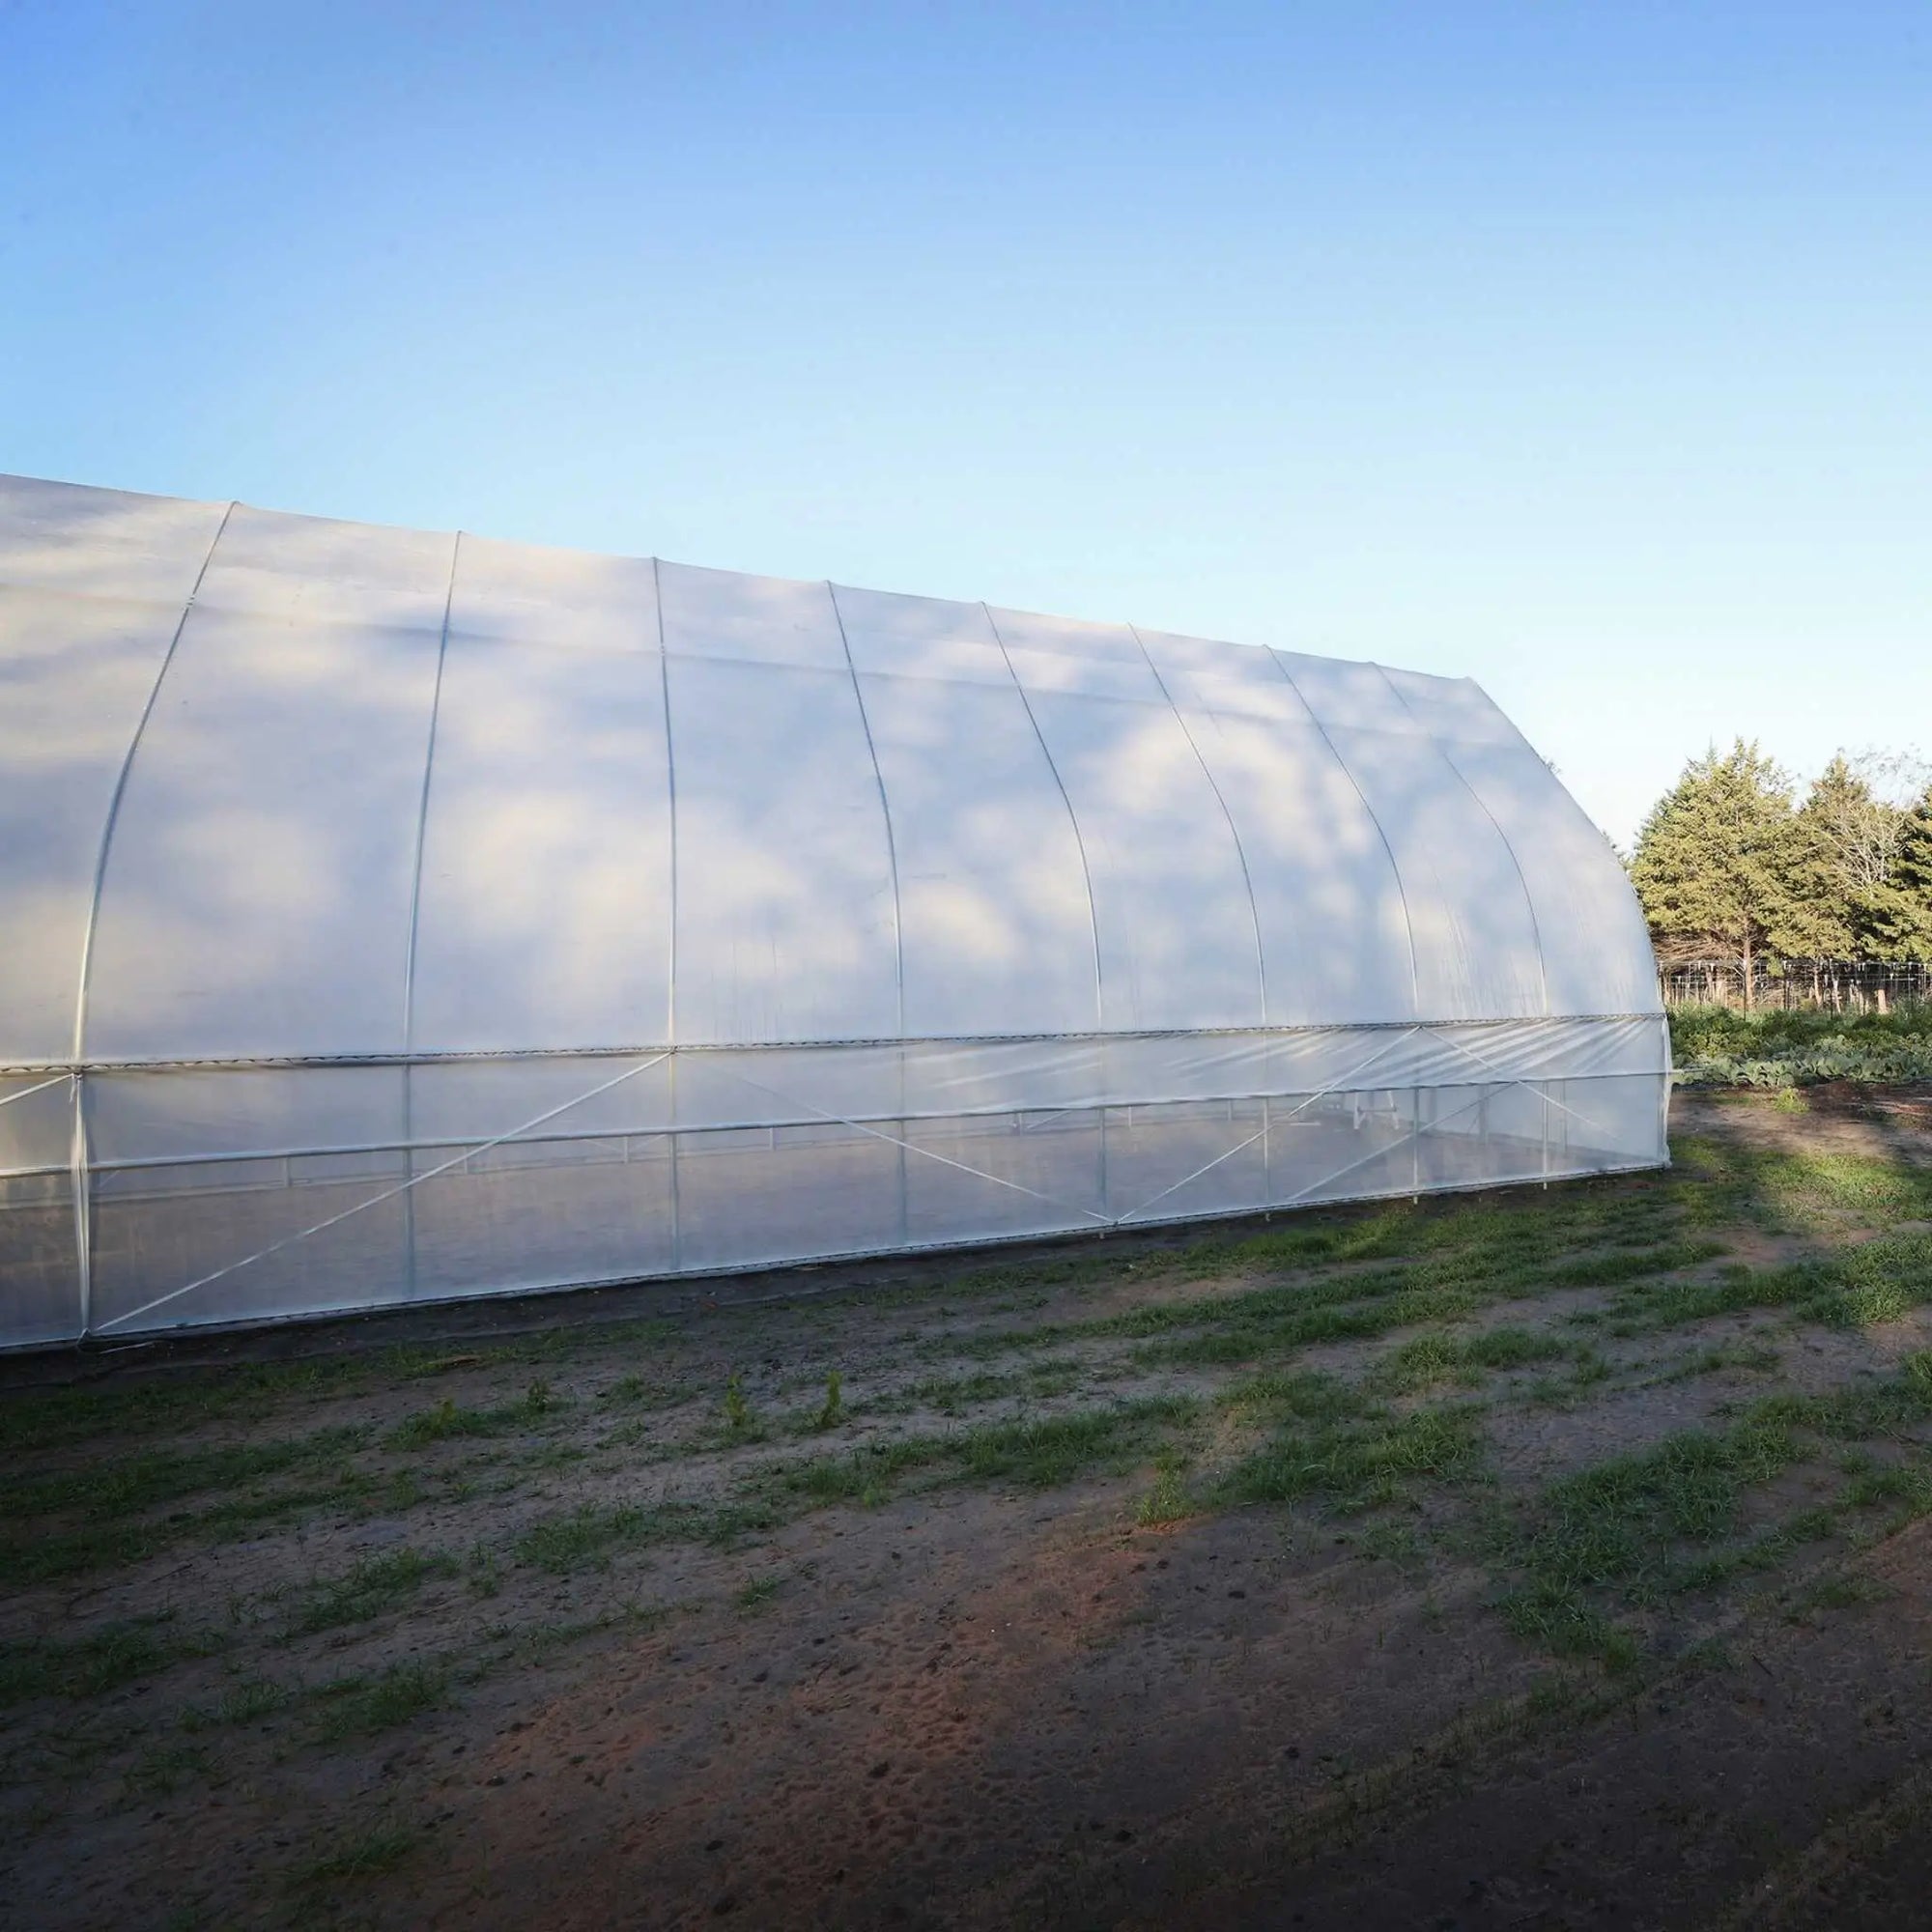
(737, 1409)
(365, 1854)
(1396, 1543)
(833, 1412)
(90, 1667)
(247, 1702)
(1167, 1502)
(437, 1424)
(757, 1595)
(1435, 1357)
(163, 1769)
(368, 1589)
(1360, 1464)
(361, 1706)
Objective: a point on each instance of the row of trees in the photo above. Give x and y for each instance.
(1730, 863)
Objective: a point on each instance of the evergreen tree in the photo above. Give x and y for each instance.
(1911, 933)
(1852, 832)
(1720, 862)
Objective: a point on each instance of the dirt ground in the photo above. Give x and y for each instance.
(1549, 1558)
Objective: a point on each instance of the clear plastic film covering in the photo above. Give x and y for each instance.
(394, 917)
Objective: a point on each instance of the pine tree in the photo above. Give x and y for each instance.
(1720, 861)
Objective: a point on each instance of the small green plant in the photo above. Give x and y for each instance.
(833, 1413)
(755, 1595)
(737, 1409)
(245, 1703)
(365, 1854)
(361, 1706)
(1166, 1502)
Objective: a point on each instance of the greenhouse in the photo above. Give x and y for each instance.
(389, 917)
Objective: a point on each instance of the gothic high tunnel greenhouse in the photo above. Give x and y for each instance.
(389, 917)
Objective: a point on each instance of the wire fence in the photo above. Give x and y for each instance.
(1829, 986)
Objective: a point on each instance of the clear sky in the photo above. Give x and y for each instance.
(1586, 348)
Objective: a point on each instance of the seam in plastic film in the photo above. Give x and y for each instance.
(670, 967)
(83, 1231)
(1220, 799)
(884, 811)
(891, 859)
(415, 904)
(1072, 818)
(1442, 751)
(1395, 864)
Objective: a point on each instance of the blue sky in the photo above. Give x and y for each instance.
(1584, 349)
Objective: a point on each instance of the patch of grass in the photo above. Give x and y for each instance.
(368, 1589)
(354, 1707)
(438, 1424)
(127, 1486)
(1841, 1592)
(106, 1660)
(1432, 1360)
(757, 1595)
(1167, 1502)
(163, 1769)
(1612, 1529)
(635, 1392)
(1391, 1542)
(447, 1420)
(1856, 1287)
(737, 1409)
(1357, 1465)
(589, 1536)
(1756, 1358)
(247, 1702)
(1301, 1395)
(1033, 1452)
(365, 1854)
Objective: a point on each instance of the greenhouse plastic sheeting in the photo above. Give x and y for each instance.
(392, 917)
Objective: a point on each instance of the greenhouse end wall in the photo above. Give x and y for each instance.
(393, 918)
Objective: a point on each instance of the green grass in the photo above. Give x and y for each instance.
(1429, 1360)
(589, 1536)
(160, 1770)
(1032, 1452)
(365, 1854)
(757, 1595)
(1359, 1464)
(95, 1665)
(370, 1588)
(125, 1486)
(1848, 1288)
(1614, 1533)
(1722, 1182)
(247, 1702)
(356, 1707)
